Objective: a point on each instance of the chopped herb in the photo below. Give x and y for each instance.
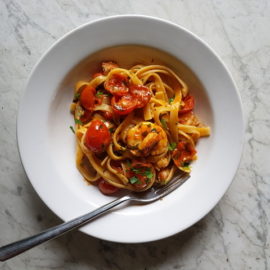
(154, 130)
(148, 173)
(133, 180)
(171, 100)
(72, 129)
(186, 164)
(78, 121)
(164, 123)
(76, 96)
(101, 93)
(172, 146)
(111, 130)
(128, 163)
(135, 170)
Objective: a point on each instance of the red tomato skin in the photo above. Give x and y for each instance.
(97, 136)
(189, 104)
(123, 105)
(107, 115)
(117, 85)
(87, 97)
(86, 117)
(106, 188)
(142, 93)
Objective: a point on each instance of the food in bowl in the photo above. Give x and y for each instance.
(134, 127)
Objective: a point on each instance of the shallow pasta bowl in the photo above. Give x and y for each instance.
(47, 146)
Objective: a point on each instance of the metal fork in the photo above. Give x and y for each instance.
(154, 194)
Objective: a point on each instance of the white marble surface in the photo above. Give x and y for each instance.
(235, 235)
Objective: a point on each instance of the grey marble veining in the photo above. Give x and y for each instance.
(235, 235)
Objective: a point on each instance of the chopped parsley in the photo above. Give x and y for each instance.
(154, 130)
(128, 163)
(76, 96)
(78, 121)
(136, 170)
(100, 127)
(172, 146)
(133, 180)
(111, 130)
(171, 100)
(164, 123)
(143, 171)
(72, 129)
(186, 164)
(148, 173)
(101, 93)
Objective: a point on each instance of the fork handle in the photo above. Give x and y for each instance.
(14, 249)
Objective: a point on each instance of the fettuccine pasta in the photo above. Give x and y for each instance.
(135, 128)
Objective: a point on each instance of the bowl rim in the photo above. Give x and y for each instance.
(138, 16)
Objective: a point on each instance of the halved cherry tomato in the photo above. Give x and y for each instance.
(123, 105)
(87, 97)
(142, 93)
(189, 104)
(184, 152)
(141, 171)
(97, 136)
(106, 188)
(117, 84)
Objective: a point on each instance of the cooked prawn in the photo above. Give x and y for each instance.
(146, 139)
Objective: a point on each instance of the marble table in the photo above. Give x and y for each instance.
(235, 235)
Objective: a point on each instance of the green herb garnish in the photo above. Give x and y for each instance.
(135, 170)
(101, 93)
(133, 180)
(148, 173)
(128, 163)
(72, 129)
(172, 146)
(164, 123)
(78, 121)
(186, 164)
(76, 96)
(153, 130)
(171, 100)
(111, 130)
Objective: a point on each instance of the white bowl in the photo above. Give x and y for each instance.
(47, 146)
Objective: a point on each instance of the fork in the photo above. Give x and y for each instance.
(154, 194)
